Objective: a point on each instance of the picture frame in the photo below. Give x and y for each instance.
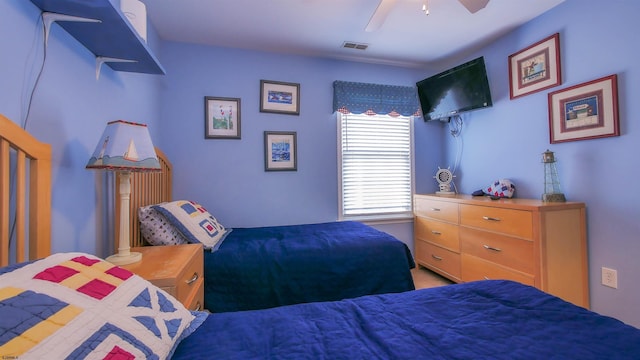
(280, 151)
(535, 68)
(279, 97)
(222, 118)
(584, 111)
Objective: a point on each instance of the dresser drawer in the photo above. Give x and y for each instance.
(474, 268)
(504, 250)
(438, 232)
(189, 279)
(441, 210)
(507, 221)
(438, 259)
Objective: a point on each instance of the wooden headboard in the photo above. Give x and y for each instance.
(25, 195)
(147, 188)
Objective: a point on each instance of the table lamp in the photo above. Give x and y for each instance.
(124, 147)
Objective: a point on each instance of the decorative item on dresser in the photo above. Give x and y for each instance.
(551, 181)
(536, 243)
(176, 269)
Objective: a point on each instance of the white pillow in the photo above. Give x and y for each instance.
(156, 229)
(194, 222)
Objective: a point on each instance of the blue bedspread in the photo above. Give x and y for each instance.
(479, 320)
(258, 268)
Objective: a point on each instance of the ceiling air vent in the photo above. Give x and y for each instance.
(354, 45)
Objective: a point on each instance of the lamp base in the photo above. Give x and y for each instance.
(125, 259)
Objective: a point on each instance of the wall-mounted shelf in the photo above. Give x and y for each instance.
(113, 37)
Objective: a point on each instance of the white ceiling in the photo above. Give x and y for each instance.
(408, 37)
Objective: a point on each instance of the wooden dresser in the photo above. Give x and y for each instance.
(467, 238)
(176, 269)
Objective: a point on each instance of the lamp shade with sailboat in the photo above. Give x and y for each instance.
(124, 147)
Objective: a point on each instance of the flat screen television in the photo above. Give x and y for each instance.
(457, 90)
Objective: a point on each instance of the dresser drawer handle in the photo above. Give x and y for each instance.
(198, 306)
(434, 232)
(435, 209)
(486, 278)
(492, 248)
(438, 258)
(488, 218)
(193, 279)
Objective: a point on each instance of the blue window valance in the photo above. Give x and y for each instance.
(358, 98)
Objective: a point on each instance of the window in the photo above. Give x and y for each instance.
(375, 166)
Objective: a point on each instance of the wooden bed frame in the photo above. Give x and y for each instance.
(25, 195)
(147, 188)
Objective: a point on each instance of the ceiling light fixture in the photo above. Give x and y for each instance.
(425, 8)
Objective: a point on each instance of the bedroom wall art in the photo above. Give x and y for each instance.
(279, 97)
(535, 68)
(222, 118)
(280, 151)
(584, 111)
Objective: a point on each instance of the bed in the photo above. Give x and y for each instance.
(25, 173)
(259, 268)
(264, 267)
(74, 305)
(481, 320)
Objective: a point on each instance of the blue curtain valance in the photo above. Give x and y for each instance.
(358, 98)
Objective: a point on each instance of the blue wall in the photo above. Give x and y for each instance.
(70, 109)
(227, 176)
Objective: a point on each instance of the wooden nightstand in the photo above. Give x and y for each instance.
(176, 269)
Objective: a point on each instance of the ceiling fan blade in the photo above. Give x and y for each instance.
(474, 5)
(378, 17)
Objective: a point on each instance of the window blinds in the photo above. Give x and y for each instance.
(376, 166)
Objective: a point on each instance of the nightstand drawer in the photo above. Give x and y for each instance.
(189, 280)
(508, 251)
(441, 210)
(195, 302)
(506, 221)
(443, 234)
(438, 259)
(176, 269)
(475, 268)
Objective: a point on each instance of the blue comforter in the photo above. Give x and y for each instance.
(479, 320)
(258, 268)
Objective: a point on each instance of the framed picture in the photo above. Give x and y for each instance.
(279, 97)
(280, 150)
(222, 118)
(535, 68)
(585, 111)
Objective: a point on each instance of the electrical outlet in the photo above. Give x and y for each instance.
(610, 277)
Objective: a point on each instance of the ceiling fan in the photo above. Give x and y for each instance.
(385, 7)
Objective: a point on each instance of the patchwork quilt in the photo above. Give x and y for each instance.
(77, 306)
